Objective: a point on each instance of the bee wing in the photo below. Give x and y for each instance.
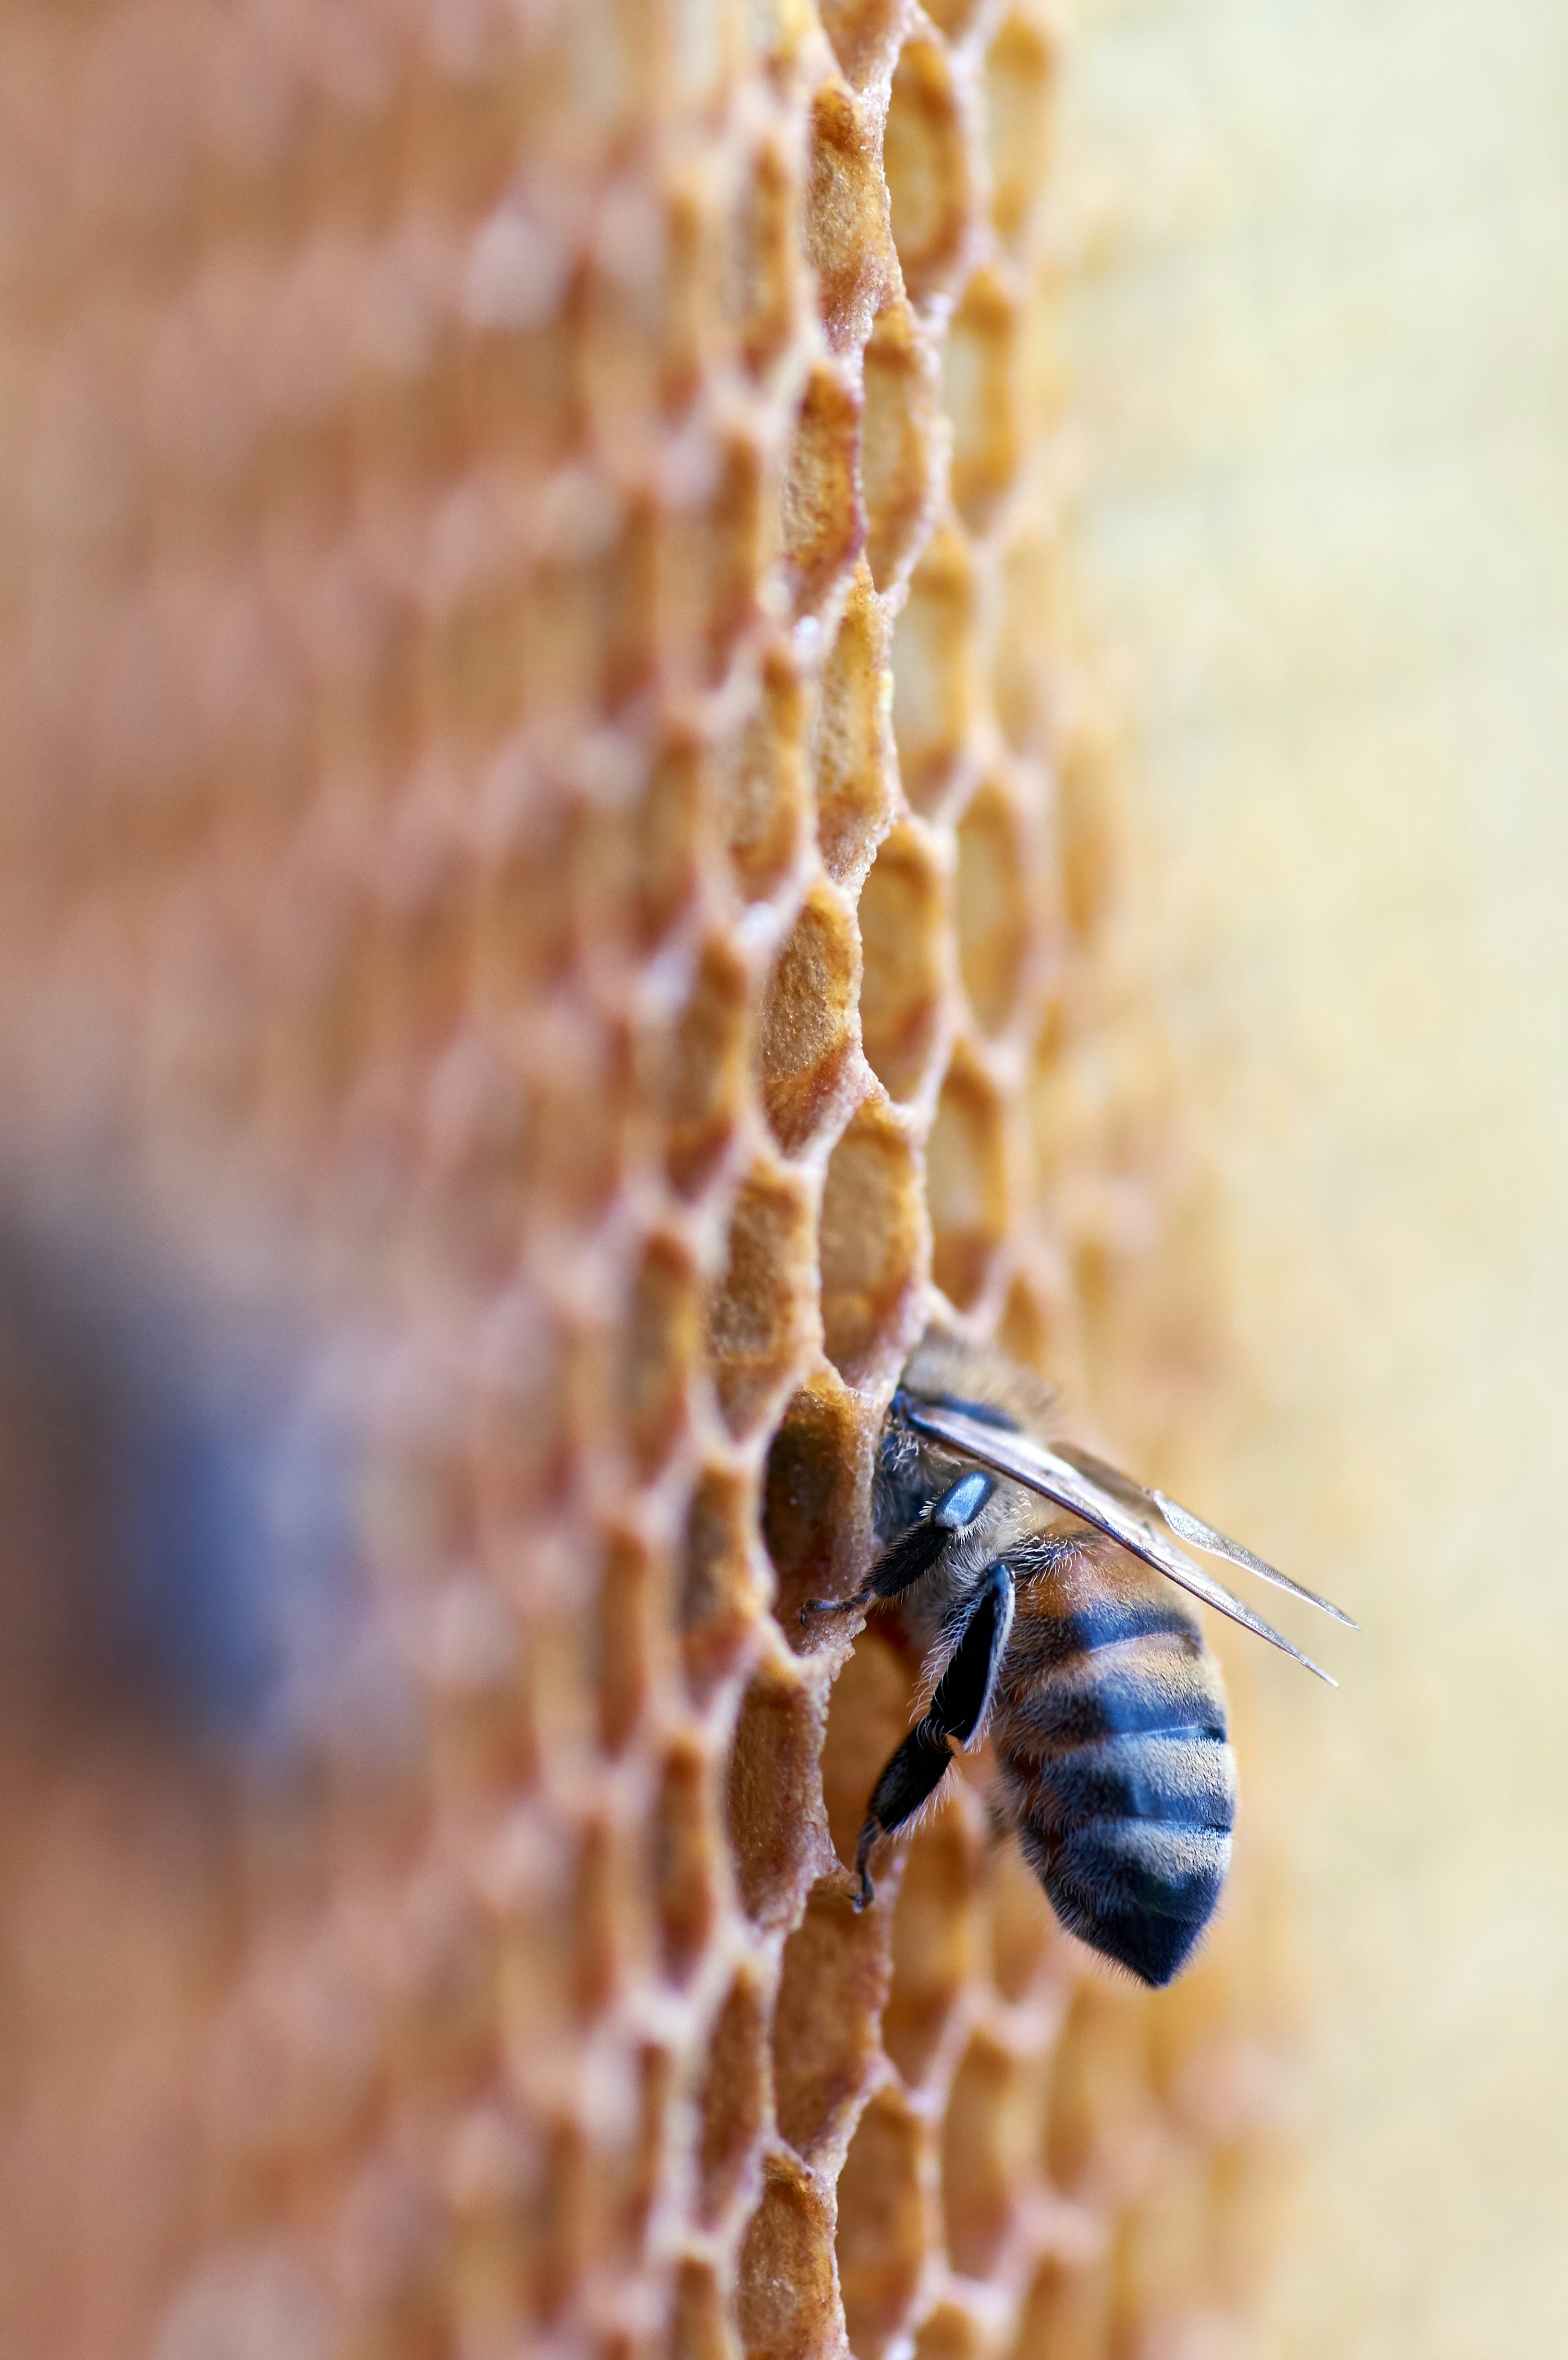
(1189, 1527)
(1116, 1509)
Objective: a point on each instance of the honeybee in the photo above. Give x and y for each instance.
(1031, 1570)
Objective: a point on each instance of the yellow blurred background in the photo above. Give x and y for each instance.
(1317, 370)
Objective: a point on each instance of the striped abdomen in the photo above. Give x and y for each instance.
(1111, 1736)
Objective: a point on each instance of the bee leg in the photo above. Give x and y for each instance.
(914, 1553)
(957, 1709)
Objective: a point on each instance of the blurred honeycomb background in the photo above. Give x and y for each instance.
(560, 890)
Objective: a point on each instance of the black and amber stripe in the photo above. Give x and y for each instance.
(1111, 1737)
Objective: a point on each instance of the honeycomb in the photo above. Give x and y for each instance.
(553, 847)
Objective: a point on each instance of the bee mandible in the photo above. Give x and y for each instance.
(1030, 1570)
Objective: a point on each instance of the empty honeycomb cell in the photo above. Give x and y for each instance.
(686, 1850)
(934, 686)
(951, 2334)
(871, 1237)
(851, 744)
(1019, 69)
(993, 907)
(931, 183)
(831, 1994)
(1023, 684)
(822, 517)
(643, 316)
(1086, 833)
(818, 1464)
(787, 2308)
(757, 1324)
(572, 1120)
(1103, 2121)
(1066, 2311)
(901, 442)
(966, 1184)
(666, 838)
(881, 2225)
(762, 780)
(775, 1819)
(902, 926)
(868, 1715)
(989, 2135)
(706, 1071)
(662, 1339)
(981, 397)
(593, 1928)
(806, 1047)
(708, 567)
(847, 238)
(628, 1617)
(765, 258)
(735, 2097)
(699, 2325)
(719, 1599)
(936, 1934)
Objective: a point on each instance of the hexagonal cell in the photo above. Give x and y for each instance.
(805, 1034)
(990, 2131)
(991, 907)
(1019, 77)
(658, 1347)
(954, 18)
(881, 2224)
(1088, 832)
(980, 395)
(1102, 2112)
(819, 1470)
(871, 1249)
(1022, 679)
(848, 236)
(762, 780)
(648, 312)
(777, 1830)
(824, 517)
(665, 837)
(951, 2334)
(931, 188)
(865, 36)
(936, 1933)
(902, 909)
(720, 1596)
(852, 746)
(735, 2097)
(765, 280)
(759, 1317)
(705, 1077)
(699, 2328)
(786, 2305)
(868, 1715)
(901, 446)
(933, 684)
(831, 1994)
(1066, 2312)
(966, 1184)
(707, 566)
(629, 1597)
(687, 1842)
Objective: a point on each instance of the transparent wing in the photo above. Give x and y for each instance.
(1193, 1528)
(1116, 1507)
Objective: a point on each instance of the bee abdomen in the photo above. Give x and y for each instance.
(1114, 1747)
